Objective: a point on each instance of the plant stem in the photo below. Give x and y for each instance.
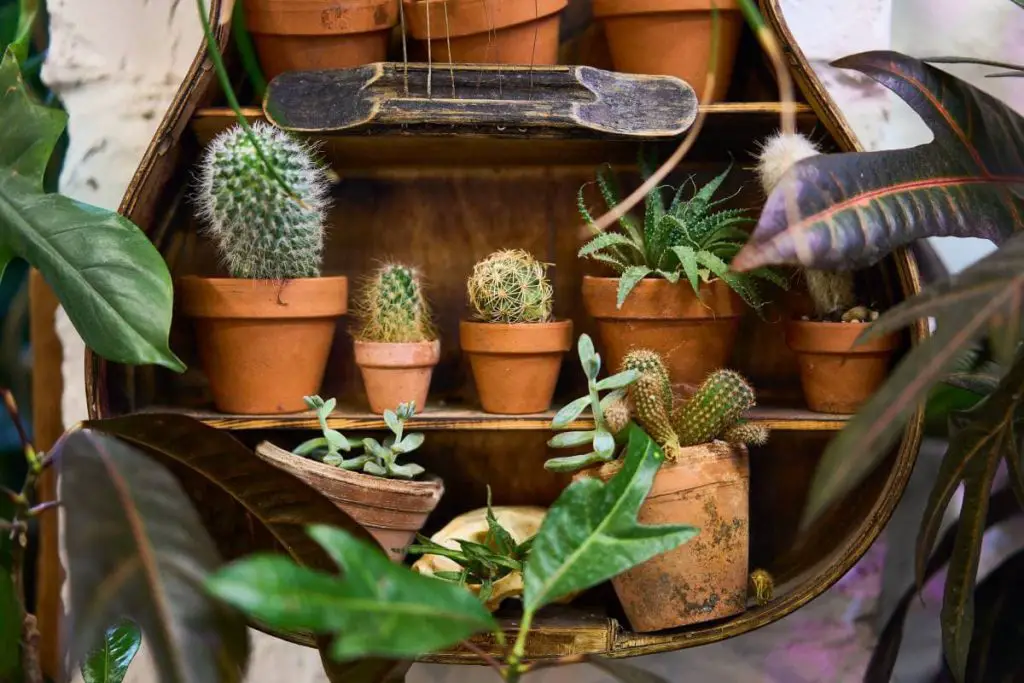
(27, 12)
(516, 668)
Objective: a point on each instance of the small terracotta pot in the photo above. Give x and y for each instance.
(707, 487)
(263, 344)
(396, 373)
(303, 35)
(515, 366)
(392, 510)
(672, 38)
(487, 31)
(837, 376)
(694, 335)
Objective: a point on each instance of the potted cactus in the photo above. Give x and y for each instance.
(390, 499)
(396, 345)
(514, 345)
(265, 332)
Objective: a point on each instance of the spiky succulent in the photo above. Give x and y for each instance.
(717, 406)
(392, 308)
(267, 223)
(510, 286)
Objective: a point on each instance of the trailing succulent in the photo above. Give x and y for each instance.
(510, 286)
(688, 238)
(392, 308)
(266, 219)
(378, 459)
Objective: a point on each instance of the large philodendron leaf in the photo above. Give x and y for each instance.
(109, 663)
(111, 280)
(137, 550)
(853, 209)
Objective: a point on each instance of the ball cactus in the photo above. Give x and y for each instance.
(510, 286)
(392, 308)
(717, 405)
(261, 229)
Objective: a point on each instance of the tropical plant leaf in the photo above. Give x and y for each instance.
(109, 663)
(136, 549)
(855, 208)
(974, 60)
(10, 629)
(628, 280)
(590, 533)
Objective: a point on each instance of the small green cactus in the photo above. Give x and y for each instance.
(747, 433)
(261, 230)
(510, 286)
(717, 405)
(651, 399)
(391, 307)
(617, 414)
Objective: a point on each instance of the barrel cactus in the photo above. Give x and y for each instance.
(510, 286)
(717, 406)
(392, 308)
(265, 215)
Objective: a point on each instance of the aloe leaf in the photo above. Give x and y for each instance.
(570, 412)
(606, 240)
(688, 260)
(628, 280)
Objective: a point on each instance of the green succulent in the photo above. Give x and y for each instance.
(510, 286)
(392, 308)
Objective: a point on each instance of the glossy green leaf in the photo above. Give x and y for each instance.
(591, 534)
(109, 663)
(10, 629)
(569, 412)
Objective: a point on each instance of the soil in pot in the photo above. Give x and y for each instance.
(486, 31)
(396, 373)
(694, 334)
(515, 366)
(838, 377)
(263, 344)
(672, 38)
(706, 578)
(392, 510)
(300, 35)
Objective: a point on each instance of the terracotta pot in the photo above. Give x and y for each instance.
(672, 38)
(515, 366)
(705, 578)
(837, 376)
(694, 335)
(263, 344)
(487, 31)
(392, 510)
(304, 35)
(396, 373)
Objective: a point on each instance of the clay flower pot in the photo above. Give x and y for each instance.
(672, 38)
(694, 335)
(515, 366)
(396, 373)
(487, 31)
(392, 510)
(706, 578)
(263, 344)
(302, 35)
(837, 376)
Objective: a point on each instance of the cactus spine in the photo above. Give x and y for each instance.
(747, 433)
(510, 286)
(617, 414)
(392, 308)
(261, 230)
(716, 406)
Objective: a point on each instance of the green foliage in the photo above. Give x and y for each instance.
(684, 239)
(109, 663)
(393, 309)
(510, 286)
(716, 406)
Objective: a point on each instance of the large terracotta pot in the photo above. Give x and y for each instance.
(303, 35)
(487, 31)
(392, 510)
(672, 38)
(515, 366)
(263, 344)
(837, 376)
(707, 487)
(396, 373)
(695, 335)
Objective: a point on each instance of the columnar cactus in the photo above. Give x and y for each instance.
(648, 362)
(747, 433)
(510, 286)
(651, 398)
(392, 308)
(261, 229)
(716, 406)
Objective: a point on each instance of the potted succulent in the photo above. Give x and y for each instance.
(396, 345)
(673, 291)
(391, 500)
(837, 374)
(514, 345)
(265, 332)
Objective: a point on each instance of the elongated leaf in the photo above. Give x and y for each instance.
(855, 208)
(688, 260)
(623, 379)
(569, 412)
(574, 463)
(606, 240)
(109, 663)
(628, 280)
(571, 439)
(590, 533)
(136, 549)
(604, 444)
(10, 629)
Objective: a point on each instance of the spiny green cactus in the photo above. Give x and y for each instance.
(650, 412)
(617, 414)
(261, 230)
(391, 307)
(716, 406)
(747, 433)
(650, 362)
(510, 286)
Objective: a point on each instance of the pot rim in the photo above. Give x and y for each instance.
(822, 337)
(409, 354)
(315, 18)
(553, 336)
(475, 17)
(671, 301)
(719, 461)
(610, 9)
(241, 299)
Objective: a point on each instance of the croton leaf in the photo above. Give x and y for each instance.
(109, 663)
(852, 209)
